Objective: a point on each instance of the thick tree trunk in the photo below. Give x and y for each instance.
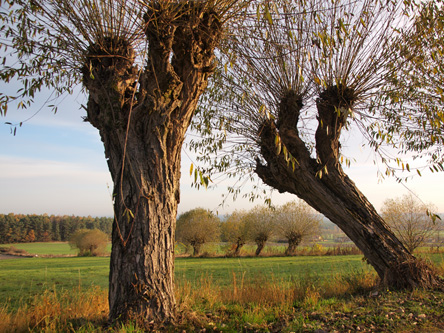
(196, 248)
(260, 242)
(145, 167)
(142, 117)
(293, 241)
(237, 249)
(142, 258)
(322, 184)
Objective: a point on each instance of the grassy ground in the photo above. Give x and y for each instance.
(248, 301)
(276, 294)
(47, 248)
(222, 270)
(24, 278)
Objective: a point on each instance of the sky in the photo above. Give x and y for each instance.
(55, 164)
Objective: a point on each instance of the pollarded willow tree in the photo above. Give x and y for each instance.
(197, 227)
(236, 231)
(143, 65)
(260, 225)
(408, 219)
(300, 74)
(295, 221)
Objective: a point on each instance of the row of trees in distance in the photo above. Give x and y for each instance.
(18, 228)
(294, 222)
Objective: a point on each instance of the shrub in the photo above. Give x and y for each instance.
(89, 242)
(13, 251)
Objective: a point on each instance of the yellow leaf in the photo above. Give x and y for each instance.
(268, 14)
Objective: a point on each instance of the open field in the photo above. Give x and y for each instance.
(23, 278)
(226, 294)
(63, 248)
(47, 248)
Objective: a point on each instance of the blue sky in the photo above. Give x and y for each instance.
(55, 164)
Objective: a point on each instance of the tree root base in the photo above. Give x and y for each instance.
(413, 274)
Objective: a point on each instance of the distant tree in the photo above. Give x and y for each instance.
(410, 220)
(30, 237)
(46, 237)
(16, 227)
(89, 242)
(260, 225)
(295, 221)
(235, 230)
(197, 227)
(6, 222)
(55, 231)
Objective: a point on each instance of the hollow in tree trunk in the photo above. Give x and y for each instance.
(323, 184)
(142, 116)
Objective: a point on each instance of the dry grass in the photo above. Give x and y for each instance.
(272, 291)
(58, 312)
(12, 250)
(259, 302)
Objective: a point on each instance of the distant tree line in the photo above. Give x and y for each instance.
(19, 228)
(291, 222)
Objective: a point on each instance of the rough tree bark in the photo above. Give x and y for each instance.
(323, 184)
(142, 117)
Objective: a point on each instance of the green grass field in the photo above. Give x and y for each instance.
(299, 293)
(24, 278)
(52, 248)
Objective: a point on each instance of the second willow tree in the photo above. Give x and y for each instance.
(298, 75)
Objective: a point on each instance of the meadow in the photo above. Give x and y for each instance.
(24, 278)
(47, 248)
(300, 293)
